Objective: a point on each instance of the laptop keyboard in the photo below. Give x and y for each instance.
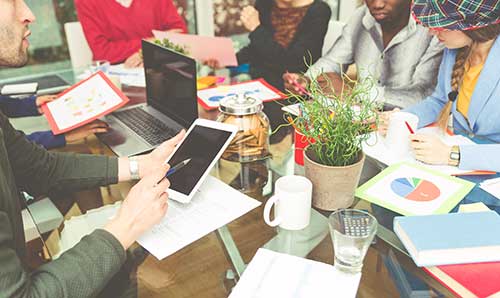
(150, 128)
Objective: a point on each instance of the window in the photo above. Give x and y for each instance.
(48, 47)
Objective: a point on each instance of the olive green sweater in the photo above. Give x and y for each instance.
(82, 271)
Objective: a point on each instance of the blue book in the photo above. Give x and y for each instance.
(455, 238)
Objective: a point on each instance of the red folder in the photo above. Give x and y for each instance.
(215, 105)
(51, 118)
(481, 280)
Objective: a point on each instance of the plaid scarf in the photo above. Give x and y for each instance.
(456, 14)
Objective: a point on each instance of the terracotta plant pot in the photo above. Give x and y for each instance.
(333, 187)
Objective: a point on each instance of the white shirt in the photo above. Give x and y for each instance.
(405, 71)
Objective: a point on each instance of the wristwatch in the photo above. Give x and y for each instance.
(454, 159)
(134, 168)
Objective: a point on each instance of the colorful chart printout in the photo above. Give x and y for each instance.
(415, 189)
(84, 103)
(410, 189)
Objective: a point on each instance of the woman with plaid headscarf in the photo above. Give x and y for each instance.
(468, 83)
(468, 87)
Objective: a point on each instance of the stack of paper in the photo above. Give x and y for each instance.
(79, 226)
(375, 148)
(215, 205)
(272, 274)
(134, 77)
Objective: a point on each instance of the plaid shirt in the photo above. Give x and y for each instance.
(405, 71)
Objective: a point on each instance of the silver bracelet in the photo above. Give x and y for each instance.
(134, 168)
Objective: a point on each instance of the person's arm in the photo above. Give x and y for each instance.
(22, 107)
(102, 47)
(341, 54)
(423, 79)
(40, 172)
(483, 157)
(428, 110)
(244, 55)
(80, 272)
(262, 40)
(171, 18)
(47, 139)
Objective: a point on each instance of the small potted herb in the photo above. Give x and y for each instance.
(335, 125)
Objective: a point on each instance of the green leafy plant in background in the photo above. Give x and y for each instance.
(166, 43)
(337, 125)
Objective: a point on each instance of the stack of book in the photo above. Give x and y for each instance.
(461, 250)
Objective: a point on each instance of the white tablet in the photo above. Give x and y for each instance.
(203, 145)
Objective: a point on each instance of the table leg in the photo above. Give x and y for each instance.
(231, 251)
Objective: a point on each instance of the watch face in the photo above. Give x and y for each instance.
(455, 156)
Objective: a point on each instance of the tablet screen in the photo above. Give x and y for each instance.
(201, 145)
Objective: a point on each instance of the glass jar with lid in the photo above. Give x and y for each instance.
(251, 143)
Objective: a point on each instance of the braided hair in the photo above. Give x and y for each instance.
(480, 35)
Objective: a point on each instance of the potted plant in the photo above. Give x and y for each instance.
(166, 43)
(335, 126)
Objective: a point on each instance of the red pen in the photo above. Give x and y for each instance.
(299, 87)
(409, 128)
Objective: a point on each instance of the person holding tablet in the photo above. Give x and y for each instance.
(85, 269)
(468, 83)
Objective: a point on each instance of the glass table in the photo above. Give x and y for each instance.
(210, 266)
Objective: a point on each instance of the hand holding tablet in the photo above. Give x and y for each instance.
(194, 157)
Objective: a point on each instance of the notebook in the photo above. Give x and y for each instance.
(455, 238)
(479, 280)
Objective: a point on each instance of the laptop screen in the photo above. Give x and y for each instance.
(170, 83)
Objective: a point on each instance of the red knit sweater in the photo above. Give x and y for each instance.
(114, 32)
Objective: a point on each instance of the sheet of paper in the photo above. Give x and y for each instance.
(259, 89)
(292, 109)
(134, 77)
(492, 186)
(272, 274)
(203, 48)
(215, 205)
(409, 189)
(28, 88)
(83, 103)
(79, 226)
(375, 148)
(474, 207)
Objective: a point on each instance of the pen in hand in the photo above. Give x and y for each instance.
(175, 169)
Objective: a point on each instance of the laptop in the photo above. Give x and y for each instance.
(171, 104)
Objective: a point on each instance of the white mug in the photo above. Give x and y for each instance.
(397, 139)
(292, 202)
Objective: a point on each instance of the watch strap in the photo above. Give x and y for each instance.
(134, 168)
(454, 159)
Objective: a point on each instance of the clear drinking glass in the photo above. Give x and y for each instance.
(352, 232)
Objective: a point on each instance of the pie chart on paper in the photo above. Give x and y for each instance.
(415, 189)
